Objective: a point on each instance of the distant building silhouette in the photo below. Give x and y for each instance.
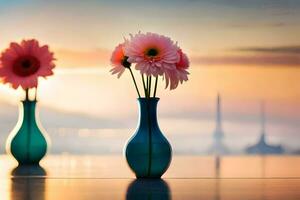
(296, 152)
(218, 148)
(262, 147)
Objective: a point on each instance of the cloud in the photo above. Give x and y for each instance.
(278, 50)
(263, 56)
(82, 58)
(249, 25)
(257, 60)
(255, 56)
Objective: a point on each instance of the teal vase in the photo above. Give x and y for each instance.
(148, 152)
(27, 143)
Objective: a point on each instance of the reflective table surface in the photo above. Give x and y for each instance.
(189, 177)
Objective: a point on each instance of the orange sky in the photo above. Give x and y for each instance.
(248, 52)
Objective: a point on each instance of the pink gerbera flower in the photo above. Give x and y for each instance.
(119, 60)
(152, 53)
(22, 64)
(180, 74)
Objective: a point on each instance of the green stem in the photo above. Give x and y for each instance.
(147, 84)
(149, 87)
(144, 85)
(26, 94)
(35, 95)
(27, 112)
(155, 87)
(137, 89)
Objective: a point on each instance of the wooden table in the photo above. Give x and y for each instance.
(189, 177)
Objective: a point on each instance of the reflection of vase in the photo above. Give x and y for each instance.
(28, 144)
(28, 188)
(148, 189)
(148, 152)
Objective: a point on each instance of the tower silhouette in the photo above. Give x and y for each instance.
(218, 148)
(261, 147)
(262, 123)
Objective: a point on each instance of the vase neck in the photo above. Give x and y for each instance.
(148, 111)
(28, 109)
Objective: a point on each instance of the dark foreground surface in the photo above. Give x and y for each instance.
(189, 177)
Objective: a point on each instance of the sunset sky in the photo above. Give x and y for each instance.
(248, 51)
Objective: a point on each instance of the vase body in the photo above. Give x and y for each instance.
(148, 152)
(27, 143)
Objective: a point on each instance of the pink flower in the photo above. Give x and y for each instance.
(180, 74)
(119, 60)
(152, 53)
(22, 64)
(182, 66)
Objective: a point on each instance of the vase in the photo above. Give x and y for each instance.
(26, 142)
(148, 152)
